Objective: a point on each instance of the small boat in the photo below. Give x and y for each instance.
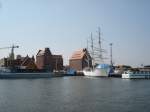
(136, 75)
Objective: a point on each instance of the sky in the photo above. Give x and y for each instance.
(65, 25)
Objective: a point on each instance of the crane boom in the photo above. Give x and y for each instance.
(10, 47)
(11, 56)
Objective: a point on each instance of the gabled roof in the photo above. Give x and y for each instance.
(19, 57)
(40, 52)
(26, 61)
(43, 52)
(78, 54)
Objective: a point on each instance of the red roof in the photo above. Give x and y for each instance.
(78, 54)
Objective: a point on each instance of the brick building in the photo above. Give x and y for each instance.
(43, 59)
(80, 59)
(28, 63)
(57, 62)
(20, 62)
(46, 60)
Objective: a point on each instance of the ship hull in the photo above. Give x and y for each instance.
(96, 73)
(28, 75)
(102, 70)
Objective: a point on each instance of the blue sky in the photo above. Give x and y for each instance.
(65, 25)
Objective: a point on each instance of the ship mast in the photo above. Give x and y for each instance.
(100, 45)
(87, 45)
(92, 48)
(96, 49)
(111, 62)
(100, 50)
(88, 60)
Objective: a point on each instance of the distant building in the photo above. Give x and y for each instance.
(57, 62)
(20, 62)
(45, 60)
(2, 62)
(28, 63)
(145, 68)
(80, 59)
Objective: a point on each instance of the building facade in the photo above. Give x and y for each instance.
(80, 60)
(57, 62)
(20, 62)
(46, 60)
(43, 59)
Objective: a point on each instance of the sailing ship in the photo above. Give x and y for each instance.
(99, 68)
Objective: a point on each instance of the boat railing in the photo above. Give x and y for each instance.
(140, 72)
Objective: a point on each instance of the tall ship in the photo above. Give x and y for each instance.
(99, 68)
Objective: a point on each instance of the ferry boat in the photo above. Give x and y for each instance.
(136, 75)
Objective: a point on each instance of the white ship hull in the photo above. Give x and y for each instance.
(100, 70)
(136, 75)
(96, 73)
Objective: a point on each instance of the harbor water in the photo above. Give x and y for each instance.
(74, 94)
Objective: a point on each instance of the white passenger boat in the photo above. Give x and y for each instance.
(136, 75)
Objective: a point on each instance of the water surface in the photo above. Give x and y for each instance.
(74, 94)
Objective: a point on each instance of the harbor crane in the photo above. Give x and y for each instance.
(11, 56)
